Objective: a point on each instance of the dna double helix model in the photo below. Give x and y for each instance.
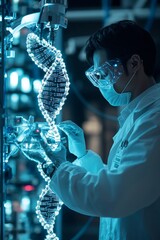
(51, 97)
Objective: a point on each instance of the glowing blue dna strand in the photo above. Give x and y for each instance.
(52, 95)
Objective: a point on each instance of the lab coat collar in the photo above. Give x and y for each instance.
(146, 98)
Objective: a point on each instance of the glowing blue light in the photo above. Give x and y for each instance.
(8, 207)
(25, 85)
(37, 85)
(14, 98)
(14, 80)
(25, 204)
(16, 38)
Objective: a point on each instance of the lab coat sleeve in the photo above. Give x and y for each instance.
(91, 161)
(120, 192)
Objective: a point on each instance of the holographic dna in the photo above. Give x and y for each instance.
(55, 84)
(51, 97)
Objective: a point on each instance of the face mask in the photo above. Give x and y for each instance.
(117, 99)
(114, 98)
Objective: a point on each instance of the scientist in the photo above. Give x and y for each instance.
(125, 193)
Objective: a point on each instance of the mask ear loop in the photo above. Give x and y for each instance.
(129, 81)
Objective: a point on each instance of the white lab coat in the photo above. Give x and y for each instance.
(125, 193)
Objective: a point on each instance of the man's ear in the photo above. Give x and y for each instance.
(135, 62)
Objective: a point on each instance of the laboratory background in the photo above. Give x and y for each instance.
(26, 211)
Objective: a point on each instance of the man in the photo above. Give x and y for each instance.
(125, 193)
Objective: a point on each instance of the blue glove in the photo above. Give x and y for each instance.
(57, 156)
(75, 135)
(36, 156)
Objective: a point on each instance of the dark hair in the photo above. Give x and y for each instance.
(121, 40)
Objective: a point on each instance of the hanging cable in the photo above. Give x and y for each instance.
(150, 20)
(83, 229)
(139, 4)
(106, 8)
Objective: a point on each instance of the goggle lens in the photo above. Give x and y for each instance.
(105, 75)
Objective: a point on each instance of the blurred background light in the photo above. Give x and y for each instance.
(28, 188)
(26, 84)
(25, 204)
(13, 80)
(8, 207)
(36, 85)
(14, 100)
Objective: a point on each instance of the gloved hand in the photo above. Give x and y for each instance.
(75, 135)
(36, 156)
(57, 156)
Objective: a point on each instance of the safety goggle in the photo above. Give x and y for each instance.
(105, 75)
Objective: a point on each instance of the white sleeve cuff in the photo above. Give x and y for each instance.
(91, 161)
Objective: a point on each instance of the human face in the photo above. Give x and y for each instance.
(99, 58)
(116, 81)
(106, 74)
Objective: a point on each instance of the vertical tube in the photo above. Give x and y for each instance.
(2, 71)
(150, 20)
(106, 8)
(59, 218)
